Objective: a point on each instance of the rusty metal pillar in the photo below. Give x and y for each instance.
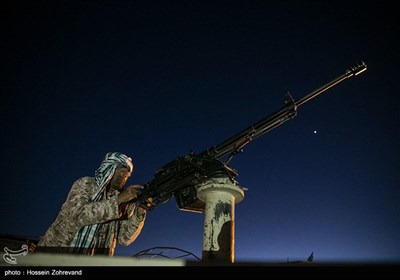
(220, 196)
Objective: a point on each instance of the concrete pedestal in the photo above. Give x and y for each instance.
(220, 196)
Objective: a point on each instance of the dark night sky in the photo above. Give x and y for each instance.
(156, 79)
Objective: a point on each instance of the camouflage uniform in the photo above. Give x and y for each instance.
(78, 211)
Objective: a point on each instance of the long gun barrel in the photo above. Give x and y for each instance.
(238, 141)
(182, 176)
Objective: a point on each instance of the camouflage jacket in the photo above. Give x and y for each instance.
(78, 211)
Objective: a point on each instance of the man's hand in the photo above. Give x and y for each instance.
(147, 204)
(129, 193)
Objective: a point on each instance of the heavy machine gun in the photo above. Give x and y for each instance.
(182, 176)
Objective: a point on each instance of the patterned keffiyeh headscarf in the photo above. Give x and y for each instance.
(84, 239)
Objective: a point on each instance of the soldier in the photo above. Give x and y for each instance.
(96, 215)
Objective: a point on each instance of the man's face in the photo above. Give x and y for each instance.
(120, 177)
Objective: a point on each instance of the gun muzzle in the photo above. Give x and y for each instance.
(357, 69)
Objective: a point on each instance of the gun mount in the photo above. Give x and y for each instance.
(182, 176)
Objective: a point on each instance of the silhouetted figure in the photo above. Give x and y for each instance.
(311, 257)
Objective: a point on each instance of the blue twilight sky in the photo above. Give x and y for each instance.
(156, 79)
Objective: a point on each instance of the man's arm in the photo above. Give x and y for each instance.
(131, 227)
(84, 211)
